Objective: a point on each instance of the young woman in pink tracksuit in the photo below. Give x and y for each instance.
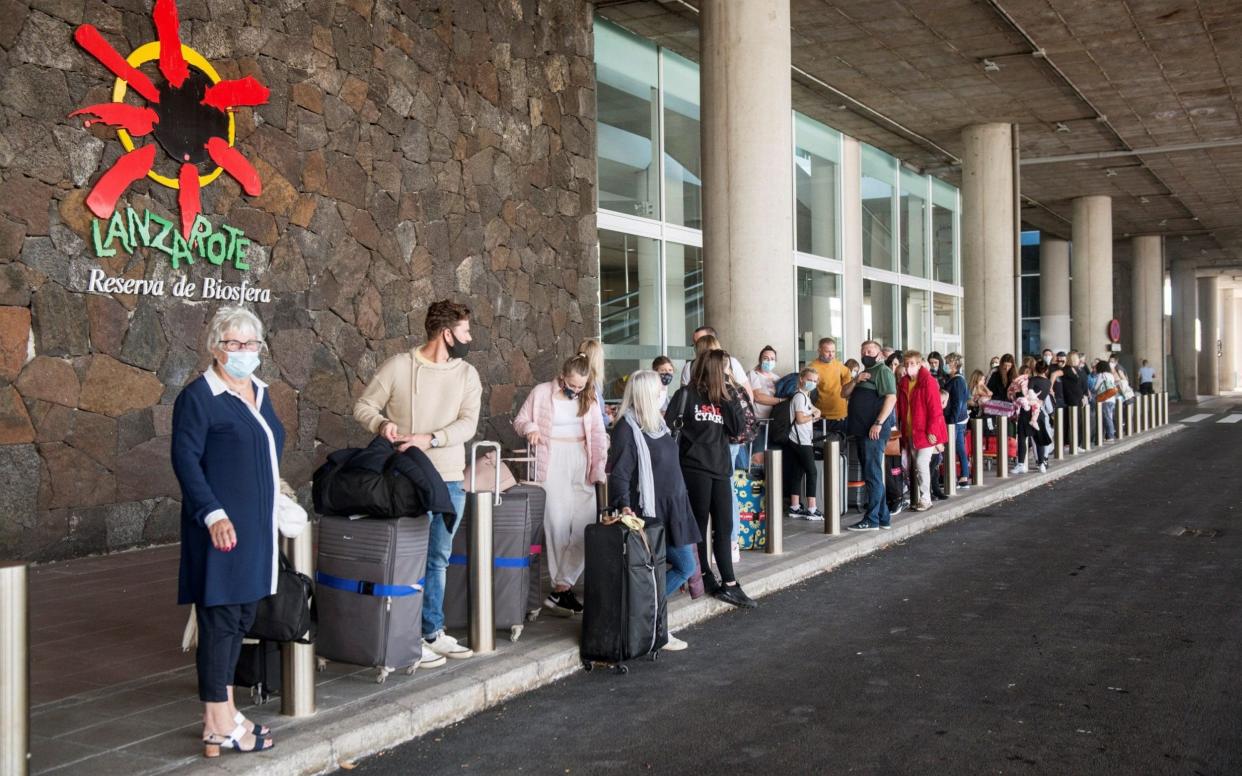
(562, 424)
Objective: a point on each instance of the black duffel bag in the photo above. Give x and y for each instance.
(377, 481)
(289, 613)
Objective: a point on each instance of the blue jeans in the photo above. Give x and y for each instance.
(871, 455)
(962, 458)
(1110, 408)
(682, 561)
(439, 547)
(737, 509)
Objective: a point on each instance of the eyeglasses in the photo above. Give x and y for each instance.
(250, 346)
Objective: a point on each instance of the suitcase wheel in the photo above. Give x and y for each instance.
(532, 615)
(588, 666)
(620, 668)
(410, 671)
(515, 633)
(321, 663)
(381, 674)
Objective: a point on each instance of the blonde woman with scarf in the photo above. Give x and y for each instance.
(644, 477)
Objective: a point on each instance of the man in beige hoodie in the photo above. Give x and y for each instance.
(429, 398)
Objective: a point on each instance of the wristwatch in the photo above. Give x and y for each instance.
(434, 442)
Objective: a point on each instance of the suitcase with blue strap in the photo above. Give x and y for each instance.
(369, 591)
(517, 546)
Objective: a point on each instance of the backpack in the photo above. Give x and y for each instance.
(788, 385)
(750, 424)
(780, 423)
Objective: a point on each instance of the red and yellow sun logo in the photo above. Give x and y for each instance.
(189, 115)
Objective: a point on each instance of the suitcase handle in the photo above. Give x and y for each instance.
(474, 469)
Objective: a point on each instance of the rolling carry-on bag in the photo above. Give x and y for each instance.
(625, 614)
(258, 668)
(517, 545)
(369, 585)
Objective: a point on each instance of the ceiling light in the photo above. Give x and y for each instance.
(1144, 200)
(989, 66)
(1164, 222)
(1185, 238)
(1039, 53)
(1111, 173)
(1061, 126)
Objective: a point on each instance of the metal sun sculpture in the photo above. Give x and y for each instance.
(191, 117)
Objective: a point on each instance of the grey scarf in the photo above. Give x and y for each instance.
(646, 480)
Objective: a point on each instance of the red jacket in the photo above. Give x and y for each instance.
(921, 414)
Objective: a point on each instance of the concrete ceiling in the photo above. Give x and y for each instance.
(1117, 76)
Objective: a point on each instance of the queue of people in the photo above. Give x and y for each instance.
(668, 454)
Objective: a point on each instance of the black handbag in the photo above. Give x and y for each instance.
(289, 613)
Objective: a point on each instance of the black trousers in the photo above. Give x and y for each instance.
(799, 463)
(711, 499)
(220, 633)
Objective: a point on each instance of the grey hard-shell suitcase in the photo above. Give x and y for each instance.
(517, 546)
(369, 589)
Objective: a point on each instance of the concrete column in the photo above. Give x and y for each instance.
(851, 247)
(1209, 336)
(1185, 335)
(1228, 378)
(747, 131)
(1054, 293)
(1091, 293)
(1147, 287)
(989, 318)
(648, 257)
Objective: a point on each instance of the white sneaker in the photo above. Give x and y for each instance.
(1018, 469)
(675, 644)
(737, 554)
(1043, 467)
(430, 659)
(447, 646)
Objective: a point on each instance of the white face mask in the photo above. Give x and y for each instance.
(241, 364)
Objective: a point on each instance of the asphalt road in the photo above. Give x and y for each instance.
(1065, 632)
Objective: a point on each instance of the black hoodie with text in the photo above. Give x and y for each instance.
(705, 431)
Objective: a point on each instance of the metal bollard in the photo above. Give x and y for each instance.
(1164, 408)
(1073, 431)
(1099, 424)
(1121, 423)
(479, 564)
(1086, 428)
(1002, 448)
(834, 486)
(1137, 416)
(14, 670)
(950, 461)
(297, 661)
(774, 501)
(601, 496)
(1059, 433)
(976, 451)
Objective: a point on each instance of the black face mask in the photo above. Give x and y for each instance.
(869, 361)
(569, 393)
(666, 378)
(458, 349)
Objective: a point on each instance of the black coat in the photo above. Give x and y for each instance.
(343, 478)
(672, 505)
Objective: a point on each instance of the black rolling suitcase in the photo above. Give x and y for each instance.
(625, 614)
(258, 668)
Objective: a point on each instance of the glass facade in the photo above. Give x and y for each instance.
(817, 159)
(1028, 300)
(820, 313)
(652, 267)
(627, 78)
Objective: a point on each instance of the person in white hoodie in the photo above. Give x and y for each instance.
(429, 398)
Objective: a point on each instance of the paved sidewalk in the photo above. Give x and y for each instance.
(113, 693)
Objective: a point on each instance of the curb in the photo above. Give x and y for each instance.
(350, 733)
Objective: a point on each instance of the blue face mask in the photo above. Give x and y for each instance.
(809, 386)
(666, 378)
(768, 366)
(241, 364)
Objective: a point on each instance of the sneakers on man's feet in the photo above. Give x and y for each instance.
(562, 603)
(901, 507)
(1043, 467)
(862, 525)
(963, 483)
(429, 658)
(815, 515)
(675, 644)
(1018, 469)
(922, 507)
(447, 646)
(733, 594)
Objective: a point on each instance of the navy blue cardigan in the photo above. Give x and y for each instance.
(222, 460)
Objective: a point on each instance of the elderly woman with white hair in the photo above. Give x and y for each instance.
(226, 445)
(644, 477)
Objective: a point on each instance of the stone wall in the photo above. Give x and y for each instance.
(410, 151)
